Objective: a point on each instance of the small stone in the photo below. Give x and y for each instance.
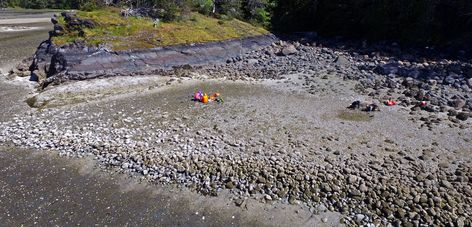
(363, 188)
(292, 200)
(469, 81)
(446, 184)
(432, 82)
(326, 187)
(452, 112)
(463, 116)
(360, 217)
(261, 180)
(268, 197)
(239, 202)
(252, 61)
(352, 179)
(460, 222)
(230, 185)
(443, 165)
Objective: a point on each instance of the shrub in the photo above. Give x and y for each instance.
(89, 6)
(262, 17)
(205, 6)
(230, 8)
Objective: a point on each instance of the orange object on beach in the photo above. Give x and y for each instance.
(214, 96)
(205, 98)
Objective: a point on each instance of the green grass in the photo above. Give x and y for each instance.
(138, 33)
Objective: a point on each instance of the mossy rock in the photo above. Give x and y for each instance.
(130, 33)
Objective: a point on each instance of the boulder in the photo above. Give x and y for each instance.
(58, 29)
(386, 69)
(342, 61)
(458, 103)
(288, 50)
(38, 75)
(87, 23)
(54, 20)
(463, 116)
(408, 82)
(452, 112)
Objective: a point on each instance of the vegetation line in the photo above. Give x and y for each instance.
(437, 22)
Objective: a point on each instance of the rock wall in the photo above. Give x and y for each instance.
(79, 62)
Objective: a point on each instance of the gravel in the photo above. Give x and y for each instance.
(443, 84)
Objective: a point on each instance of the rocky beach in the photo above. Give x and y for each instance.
(283, 135)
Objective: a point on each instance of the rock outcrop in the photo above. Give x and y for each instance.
(53, 64)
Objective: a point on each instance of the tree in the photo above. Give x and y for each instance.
(230, 8)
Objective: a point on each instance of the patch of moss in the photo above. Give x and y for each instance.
(354, 116)
(138, 33)
(33, 103)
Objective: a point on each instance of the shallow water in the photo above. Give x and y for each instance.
(10, 13)
(17, 45)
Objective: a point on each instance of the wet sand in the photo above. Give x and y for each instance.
(40, 188)
(21, 43)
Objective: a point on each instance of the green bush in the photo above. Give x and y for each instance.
(230, 8)
(262, 16)
(425, 21)
(89, 6)
(205, 6)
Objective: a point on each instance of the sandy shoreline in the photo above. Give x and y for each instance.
(17, 28)
(24, 21)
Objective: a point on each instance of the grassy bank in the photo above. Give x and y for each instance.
(122, 33)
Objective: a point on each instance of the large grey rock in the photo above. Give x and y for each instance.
(288, 50)
(342, 61)
(79, 62)
(390, 68)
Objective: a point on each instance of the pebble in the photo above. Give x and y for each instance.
(463, 116)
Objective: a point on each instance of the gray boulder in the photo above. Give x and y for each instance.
(463, 116)
(458, 103)
(288, 50)
(386, 69)
(342, 61)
